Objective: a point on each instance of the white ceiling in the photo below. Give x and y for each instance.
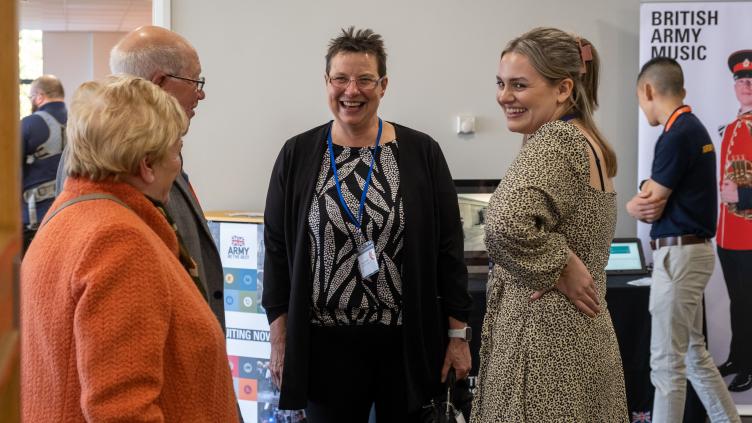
(84, 15)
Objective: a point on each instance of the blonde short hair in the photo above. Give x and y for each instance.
(116, 123)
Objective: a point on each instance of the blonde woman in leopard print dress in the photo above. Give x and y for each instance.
(549, 352)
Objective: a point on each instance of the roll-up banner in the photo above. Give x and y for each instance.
(240, 239)
(702, 36)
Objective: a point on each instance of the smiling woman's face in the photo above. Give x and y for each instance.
(526, 97)
(352, 106)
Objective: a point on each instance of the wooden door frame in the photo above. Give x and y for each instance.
(10, 215)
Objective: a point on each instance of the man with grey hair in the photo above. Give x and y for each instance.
(42, 143)
(166, 59)
(169, 61)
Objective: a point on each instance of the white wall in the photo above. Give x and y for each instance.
(101, 44)
(67, 55)
(77, 57)
(264, 63)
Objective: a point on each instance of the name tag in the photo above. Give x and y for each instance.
(367, 262)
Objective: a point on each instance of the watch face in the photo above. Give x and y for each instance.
(468, 334)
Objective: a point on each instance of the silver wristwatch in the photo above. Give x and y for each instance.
(466, 333)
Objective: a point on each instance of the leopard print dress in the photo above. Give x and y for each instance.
(545, 361)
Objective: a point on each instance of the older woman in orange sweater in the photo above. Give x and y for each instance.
(115, 327)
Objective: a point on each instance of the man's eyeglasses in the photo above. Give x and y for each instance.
(361, 83)
(199, 82)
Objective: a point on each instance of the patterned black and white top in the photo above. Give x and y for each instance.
(340, 296)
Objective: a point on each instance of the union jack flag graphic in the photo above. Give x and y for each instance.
(641, 417)
(238, 241)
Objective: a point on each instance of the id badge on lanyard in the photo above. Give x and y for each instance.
(368, 263)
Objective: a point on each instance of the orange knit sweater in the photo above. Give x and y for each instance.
(113, 328)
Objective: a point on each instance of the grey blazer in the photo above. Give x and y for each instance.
(184, 208)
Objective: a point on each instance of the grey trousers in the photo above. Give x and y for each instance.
(677, 345)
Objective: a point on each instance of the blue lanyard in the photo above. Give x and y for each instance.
(569, 116)
(333, 160)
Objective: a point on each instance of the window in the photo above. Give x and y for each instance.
(30, 65)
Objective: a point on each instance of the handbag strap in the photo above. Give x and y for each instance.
(85, 197)
(451, 379)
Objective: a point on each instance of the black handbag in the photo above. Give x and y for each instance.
(452, 406)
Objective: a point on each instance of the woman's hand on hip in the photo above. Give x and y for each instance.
(577, 285)
(278, 334)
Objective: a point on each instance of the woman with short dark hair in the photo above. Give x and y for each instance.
(364, 269)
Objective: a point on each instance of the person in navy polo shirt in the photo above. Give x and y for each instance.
(42, 140)
(679, 199)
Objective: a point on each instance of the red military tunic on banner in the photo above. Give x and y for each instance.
(735, 226)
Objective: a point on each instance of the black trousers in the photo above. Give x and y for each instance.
(737, 271)
(28, 235)
(352, 368)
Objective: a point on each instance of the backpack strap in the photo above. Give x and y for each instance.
(55, 141)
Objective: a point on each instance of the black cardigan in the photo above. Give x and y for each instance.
(434, 273)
